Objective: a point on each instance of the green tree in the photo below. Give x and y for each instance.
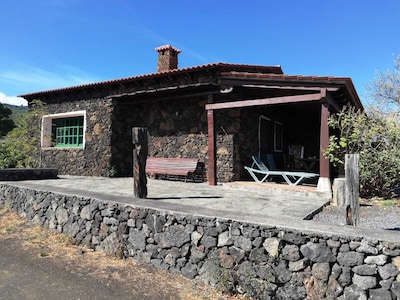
(375, 135)
(21, 146)
(6, 123)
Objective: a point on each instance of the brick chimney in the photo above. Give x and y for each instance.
(167, 58)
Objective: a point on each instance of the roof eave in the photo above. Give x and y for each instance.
(267, 69)
(298, 80)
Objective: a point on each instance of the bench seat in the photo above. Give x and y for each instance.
(175, 168)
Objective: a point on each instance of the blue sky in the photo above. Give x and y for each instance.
(49, 44)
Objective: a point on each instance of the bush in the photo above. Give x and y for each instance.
(21, 146)
(376, 137)
(6, 123)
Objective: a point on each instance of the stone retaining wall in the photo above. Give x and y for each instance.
(28, 174)
(263, 261)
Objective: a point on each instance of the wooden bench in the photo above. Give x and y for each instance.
(175, 168)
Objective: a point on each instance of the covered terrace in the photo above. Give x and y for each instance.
(283, 110)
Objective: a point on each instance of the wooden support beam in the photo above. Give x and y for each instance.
(265, 101)
(140, 151)
(212, 159)
(324, 141)
(324, 184)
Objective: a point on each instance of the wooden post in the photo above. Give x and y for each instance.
(212, 159)
(324, 181)
(352, 189)
(324, 142)
(140, 151)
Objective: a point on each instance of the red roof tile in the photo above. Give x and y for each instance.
(238, 67)
(167, 47)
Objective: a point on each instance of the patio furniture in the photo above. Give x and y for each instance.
(308, 164)
(262, 173)
(175, 168)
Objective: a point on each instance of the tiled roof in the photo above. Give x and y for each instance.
(224, 66)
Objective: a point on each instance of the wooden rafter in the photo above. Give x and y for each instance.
(265, 101)
(282, 87)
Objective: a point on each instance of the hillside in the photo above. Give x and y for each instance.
(16, 110)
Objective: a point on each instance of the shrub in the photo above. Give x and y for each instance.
(6, 123)
(376, 137)
(21, 146)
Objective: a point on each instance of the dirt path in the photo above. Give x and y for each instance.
(38, 264)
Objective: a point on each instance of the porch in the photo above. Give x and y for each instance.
(274, 127)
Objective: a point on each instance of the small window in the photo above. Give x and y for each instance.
(67, 132)
(64, 130)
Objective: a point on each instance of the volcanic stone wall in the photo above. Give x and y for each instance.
(176, 129)
(265, 262)
(92, 160)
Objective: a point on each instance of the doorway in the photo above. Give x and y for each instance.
(265, 135)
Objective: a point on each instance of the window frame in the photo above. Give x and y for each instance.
(47, 140)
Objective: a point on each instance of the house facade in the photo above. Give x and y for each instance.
(220, 113)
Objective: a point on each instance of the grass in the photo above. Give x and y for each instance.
(388, 203)
(9, 228)
(381, 202)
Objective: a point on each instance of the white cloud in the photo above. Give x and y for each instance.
(31, 79)
(18, 101)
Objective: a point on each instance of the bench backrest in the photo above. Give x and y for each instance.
(172, 166)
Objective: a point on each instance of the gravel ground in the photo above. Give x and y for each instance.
(370, 216)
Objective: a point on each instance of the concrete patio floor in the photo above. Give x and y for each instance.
(243, 200)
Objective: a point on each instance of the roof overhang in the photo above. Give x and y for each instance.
(340, 88)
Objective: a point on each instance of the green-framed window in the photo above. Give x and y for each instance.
(67, 132)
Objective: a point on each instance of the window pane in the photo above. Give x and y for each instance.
(68, 131)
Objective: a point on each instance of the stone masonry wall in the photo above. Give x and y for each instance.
(265, 262)
(176, 129)
(94, 159)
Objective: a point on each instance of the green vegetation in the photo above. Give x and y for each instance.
(375, 135)
(6, 123)
(20, 148)
(388, 203)
(17, 111)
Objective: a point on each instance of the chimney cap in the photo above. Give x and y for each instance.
(167, 47)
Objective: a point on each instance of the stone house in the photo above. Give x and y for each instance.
(220, 113)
